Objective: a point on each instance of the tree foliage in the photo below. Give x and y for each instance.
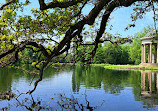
(135, 48)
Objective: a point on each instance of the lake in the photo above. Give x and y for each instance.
(78, 88)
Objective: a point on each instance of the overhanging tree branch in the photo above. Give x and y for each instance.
(6, 4)
(64, 4)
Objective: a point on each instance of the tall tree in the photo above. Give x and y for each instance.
(115, 54)
(135, 48)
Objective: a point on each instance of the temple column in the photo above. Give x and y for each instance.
(150, 52)
(142, 53)
(155, 55)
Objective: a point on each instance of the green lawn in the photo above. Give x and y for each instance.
(125, 67)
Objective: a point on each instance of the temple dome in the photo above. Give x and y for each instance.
(151, 33)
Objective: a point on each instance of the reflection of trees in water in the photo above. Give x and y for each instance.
(113, 81)
(85, 76)
(5, 80)
(28, 103)
(10, 75)
(32, 105)
(135, 82)
(145, 85)
(63, 103)
(7, 108)
(72, 103)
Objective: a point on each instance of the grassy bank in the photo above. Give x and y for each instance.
(100, 65)
(116, 67)
(126, 67)
(134, 67)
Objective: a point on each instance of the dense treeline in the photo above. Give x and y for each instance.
(129, 53)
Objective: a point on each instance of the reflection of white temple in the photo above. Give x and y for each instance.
(149, 88)
(149, 84)
(150, 43)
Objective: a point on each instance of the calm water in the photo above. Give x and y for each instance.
(81, 87)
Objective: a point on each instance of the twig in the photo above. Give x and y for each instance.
(32, 80)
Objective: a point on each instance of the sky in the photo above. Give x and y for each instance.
(120, 18)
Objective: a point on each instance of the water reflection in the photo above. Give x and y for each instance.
(28, 103)
(31, 104)
(116, 87)
(149, 88)
(5, 84)
(90, 77)
(10, 75)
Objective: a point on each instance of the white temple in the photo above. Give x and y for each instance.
(149, 50)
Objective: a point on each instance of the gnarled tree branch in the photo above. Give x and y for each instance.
(65, 4)
(6, 4)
